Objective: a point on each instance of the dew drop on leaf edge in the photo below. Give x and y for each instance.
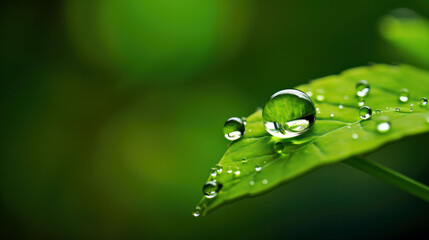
(211, 188)
(233, 128)
(288, 113)
(197, 211)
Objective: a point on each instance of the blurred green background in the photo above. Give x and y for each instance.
(113, 114)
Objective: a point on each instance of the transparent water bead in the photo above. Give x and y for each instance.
(233, 128)
(219, 169)
(404, 95)
(288, 113)
(197, 211)
(365, 112)
(258, 168)
(362, 88)
(397, 109)
(355, 136)
(211, 188)
(423, 102)
(383, 127)
(378, 111)
(213, 172)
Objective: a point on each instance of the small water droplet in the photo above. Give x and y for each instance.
(365, 112)
(264, 181)
(397, 109)
(219, 169)
(423, 102)
(355, 136)
(320, 98)
(378, 111)
(251, 182)
(250, 130)
(233, 128)
(278, 147)
(340, 106)
(244, 119)
(197, 211)
(213, 172)
(288, 113)
(348, 126)
(258, 168)
(362, 88)
(404, 95)
(331, 115)
(383, 127)
(229, 170)
(211, 188)
(237, 173)
(387, 108)
(244, 160)
(361, 103)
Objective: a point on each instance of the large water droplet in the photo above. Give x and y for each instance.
(210, 189)
(362, 88)
(423, 102)
(288, 113)
(365, 112)
(404, 95)
(233, 128)
(383, 127)
(197, 211)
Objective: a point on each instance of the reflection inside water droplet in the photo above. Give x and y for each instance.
(365, 112)
(404, 95)
(362, 88)
(233, 128)
(211, 188)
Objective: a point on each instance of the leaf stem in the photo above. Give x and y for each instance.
(391, 177)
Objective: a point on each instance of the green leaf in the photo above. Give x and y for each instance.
(330, 140)
(409, 35)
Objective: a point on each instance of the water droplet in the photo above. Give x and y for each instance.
(340, 106)
(250, 130)
(219, 168)
(397, 109)
(264, 181)
(362, 88)
(355, 136)
(348, 126)
(237, 173)
(244, 119)
(365, 112)
(288, 113)
(278, 147)
(383, 127)
(423, 102)
(361, 103)
(197, 211)
(211, 188)
(213, 172)
(258, 168)
(378, 111)
(331, 115)
(244, 160)
(229, 170)
(233, 128)
(387, 108)
(320, 98)
(404, 95)
(251, 182)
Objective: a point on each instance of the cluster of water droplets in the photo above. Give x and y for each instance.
(290, 113)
